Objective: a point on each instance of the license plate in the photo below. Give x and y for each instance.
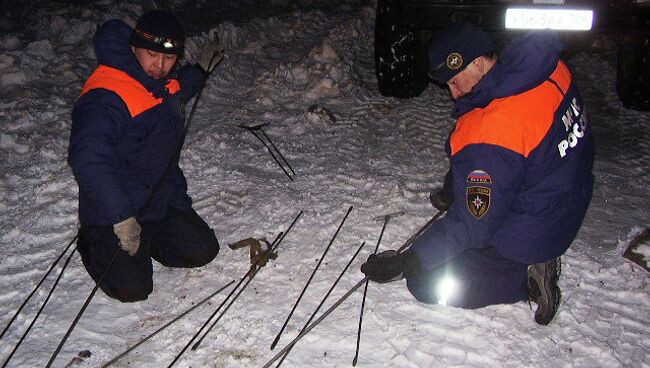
(557, 19)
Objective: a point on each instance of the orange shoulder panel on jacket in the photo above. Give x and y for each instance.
(518, 123)
(135, 95)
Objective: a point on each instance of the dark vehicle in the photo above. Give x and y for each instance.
(403, 29)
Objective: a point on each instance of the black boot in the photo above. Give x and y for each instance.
(542, 285)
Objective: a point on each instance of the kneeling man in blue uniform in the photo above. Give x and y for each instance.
(127, 127)
(520, 177)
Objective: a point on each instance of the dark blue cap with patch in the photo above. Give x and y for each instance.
(453, 48)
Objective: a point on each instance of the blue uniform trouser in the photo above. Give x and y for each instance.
(182, 239)
(475, 279)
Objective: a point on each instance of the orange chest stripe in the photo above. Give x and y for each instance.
(135, 95)
(518, 123)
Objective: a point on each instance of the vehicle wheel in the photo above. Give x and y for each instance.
(400, 56)
(633, 74)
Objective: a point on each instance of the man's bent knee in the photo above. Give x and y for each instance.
(201, 257)
(466, 293)
(438, 288)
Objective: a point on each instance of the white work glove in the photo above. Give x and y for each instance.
(128, 232)
(210, 56)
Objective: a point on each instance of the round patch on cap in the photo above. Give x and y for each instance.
(454, 61)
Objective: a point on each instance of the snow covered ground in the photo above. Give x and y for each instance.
(377, 154)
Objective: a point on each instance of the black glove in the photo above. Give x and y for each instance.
(439, 199)
(391, 266)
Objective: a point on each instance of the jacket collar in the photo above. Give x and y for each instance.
(523, 64)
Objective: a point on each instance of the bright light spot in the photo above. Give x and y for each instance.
(446, 288)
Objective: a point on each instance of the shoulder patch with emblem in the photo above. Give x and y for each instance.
(478, 200)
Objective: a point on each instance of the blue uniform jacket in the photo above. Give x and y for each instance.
(521, 157)
(126, 128)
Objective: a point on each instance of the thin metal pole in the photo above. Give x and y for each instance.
(234, 299)
(316, 322)
(198, 95)
(110, 362)
(281, 237)
(277, 338)
(38, 285)
(56, 282)
(365, 289)
(325, 298)
(422, 230)
(198, 342)
(277, 150)
(363, 300)
(205, 324)
(83, 309)
(176, 158)
(272, 155)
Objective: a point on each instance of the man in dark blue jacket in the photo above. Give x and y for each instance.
(520, 178)
(127, 127)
